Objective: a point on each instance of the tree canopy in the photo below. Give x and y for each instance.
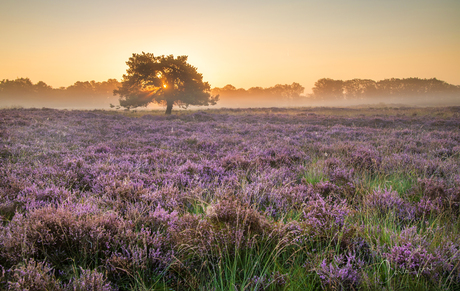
(164, 80)
(82, 94)
(278, 95)
(329, 89)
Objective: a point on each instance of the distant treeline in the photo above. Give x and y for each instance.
(89, 94)
(341, 93)
(93, 94)
(99, 95)
(278, 95)
(391, 89)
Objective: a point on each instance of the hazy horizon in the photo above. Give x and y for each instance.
(356, 92)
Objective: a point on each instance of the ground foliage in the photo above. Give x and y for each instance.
(262, 199)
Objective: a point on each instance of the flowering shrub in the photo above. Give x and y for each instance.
(90, 280)
(414, 260)
(143, 251)
(388, 202)
(327, 219)
(58, 233)
(342, 273)
(365, 159)
(438, 190)
(33, 276)
(449, 260)
(231, 213)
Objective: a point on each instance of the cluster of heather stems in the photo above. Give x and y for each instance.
(274, 199)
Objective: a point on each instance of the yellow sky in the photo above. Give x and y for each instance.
(244, 43)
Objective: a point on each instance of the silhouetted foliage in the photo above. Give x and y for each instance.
(164, 80)
(359, 88)
(21, 86)
(89, 94)
(99, 95)
(329, 89)
(94, 88)
(278, 95)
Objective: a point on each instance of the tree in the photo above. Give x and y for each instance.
(287, 92)
(359, 88)
(81, 88)
(164, 80)
(328, 89)
(18, 86)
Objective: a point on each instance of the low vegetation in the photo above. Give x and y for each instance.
(262, 199)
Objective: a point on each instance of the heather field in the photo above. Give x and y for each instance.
(262, 199)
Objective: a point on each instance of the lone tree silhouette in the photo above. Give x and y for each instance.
(164, 80)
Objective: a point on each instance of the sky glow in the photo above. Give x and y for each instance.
(243, 43)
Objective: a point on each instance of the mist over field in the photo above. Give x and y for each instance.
(22, 92)
(103, 103)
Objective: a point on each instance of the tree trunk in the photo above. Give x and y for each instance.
(169, 106)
